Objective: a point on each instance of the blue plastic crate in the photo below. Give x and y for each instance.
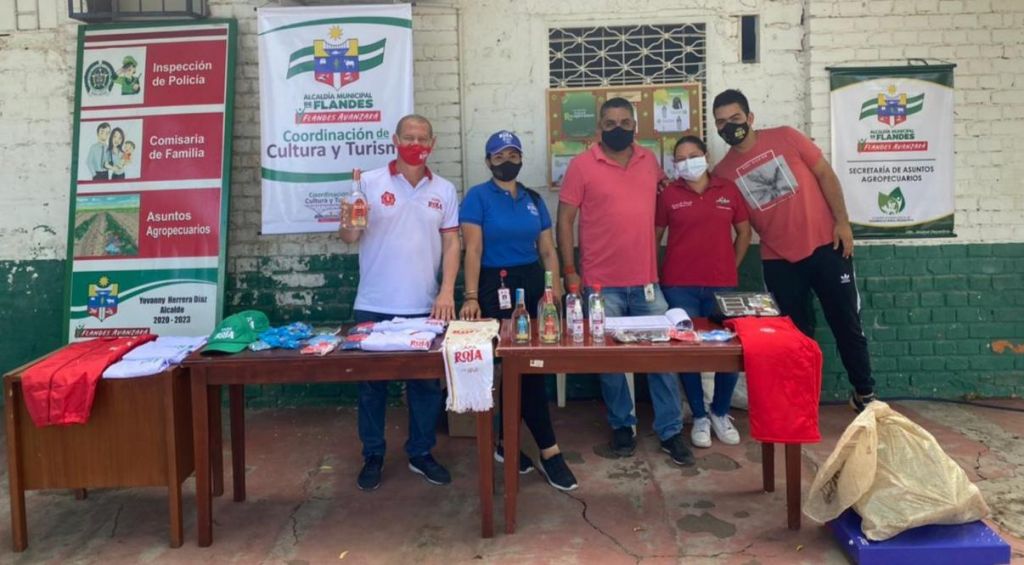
(966, 544)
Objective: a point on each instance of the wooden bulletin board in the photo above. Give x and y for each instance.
(665, 112)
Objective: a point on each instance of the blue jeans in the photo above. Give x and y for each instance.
(664, 387)
(425, 399)
(699, 301)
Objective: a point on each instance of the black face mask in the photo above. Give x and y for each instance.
(734, 134)
(506, 171)
(617, 139)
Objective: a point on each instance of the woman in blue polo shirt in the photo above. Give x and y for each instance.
(507, 232)
(701, 212)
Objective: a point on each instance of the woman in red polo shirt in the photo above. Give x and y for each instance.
(701, 212)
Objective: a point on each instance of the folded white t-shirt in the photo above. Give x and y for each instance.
(130, 368)
(415, 324)
(407, 340)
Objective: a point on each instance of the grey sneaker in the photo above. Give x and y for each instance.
(700, 435)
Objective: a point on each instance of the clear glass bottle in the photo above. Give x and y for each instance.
(358, 212)
(574, 314)
(549, 323)
(596, 308)
(521, 319)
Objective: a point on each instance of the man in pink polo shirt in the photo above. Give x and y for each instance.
(796, 206)
(613, 188)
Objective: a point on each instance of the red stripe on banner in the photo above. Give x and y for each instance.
(157, 35)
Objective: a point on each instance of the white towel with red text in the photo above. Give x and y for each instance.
(469, 365)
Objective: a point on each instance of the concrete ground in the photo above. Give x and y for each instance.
(304, 507)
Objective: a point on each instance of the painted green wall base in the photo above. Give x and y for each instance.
(941, 321)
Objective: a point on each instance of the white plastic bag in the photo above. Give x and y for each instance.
(895, 475)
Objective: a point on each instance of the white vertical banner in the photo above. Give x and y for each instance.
(334, 81)
(892, 147)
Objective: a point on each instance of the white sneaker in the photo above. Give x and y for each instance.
(724, 430)
(700, 435)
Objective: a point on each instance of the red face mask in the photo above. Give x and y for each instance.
(414, 154)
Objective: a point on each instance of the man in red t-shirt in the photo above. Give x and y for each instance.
(796, 206)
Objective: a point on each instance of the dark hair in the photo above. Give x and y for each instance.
(101, 126)
(616, 102)
(488, 155)
(110, 141)
(731, 96)
(691, 139)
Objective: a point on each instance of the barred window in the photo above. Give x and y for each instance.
(626, 55)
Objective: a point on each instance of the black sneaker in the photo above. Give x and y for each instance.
(677, 450)
(369, 477)
(525, 463)
(623, 443)
(431, 470)
(557, 473)
(859, 402)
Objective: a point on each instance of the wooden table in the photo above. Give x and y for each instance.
(139, 434)
(277, 366)
(519, 360)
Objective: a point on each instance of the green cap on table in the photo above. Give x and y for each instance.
(237, 331)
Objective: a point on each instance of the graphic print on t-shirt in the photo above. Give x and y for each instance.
(766, 180)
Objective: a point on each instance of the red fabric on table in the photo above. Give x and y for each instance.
(783, 369)
(59, 390)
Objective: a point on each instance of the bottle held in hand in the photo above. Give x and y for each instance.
(358, 209)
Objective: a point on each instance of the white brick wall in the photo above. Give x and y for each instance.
(985, 40)
(500, 82)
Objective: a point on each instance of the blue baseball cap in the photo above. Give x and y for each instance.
(503, 139)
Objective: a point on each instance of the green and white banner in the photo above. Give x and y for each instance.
(334, 81)
(892, 147)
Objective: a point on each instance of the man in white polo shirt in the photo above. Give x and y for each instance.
(412, 232)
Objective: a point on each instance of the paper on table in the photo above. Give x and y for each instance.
(674, 318)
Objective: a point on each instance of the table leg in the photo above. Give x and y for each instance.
(201, 442)
(171, 438)
(484, 445)
(216, 440)
(19, 529)
(768, 466)
(236, 396)
(793, 485)
(80, 493)
(510, 409)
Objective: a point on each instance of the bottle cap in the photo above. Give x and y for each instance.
(503, 273)
(574, 287)
(597, 288)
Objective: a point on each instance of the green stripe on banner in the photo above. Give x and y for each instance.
(384, 21)
(372, 63)
(306, 67)
(304, 52)
(285, 176)
(364, 64)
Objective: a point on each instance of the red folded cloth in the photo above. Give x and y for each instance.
(59, 390)
(783, 369)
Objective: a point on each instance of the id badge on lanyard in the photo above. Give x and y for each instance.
(504, 294)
